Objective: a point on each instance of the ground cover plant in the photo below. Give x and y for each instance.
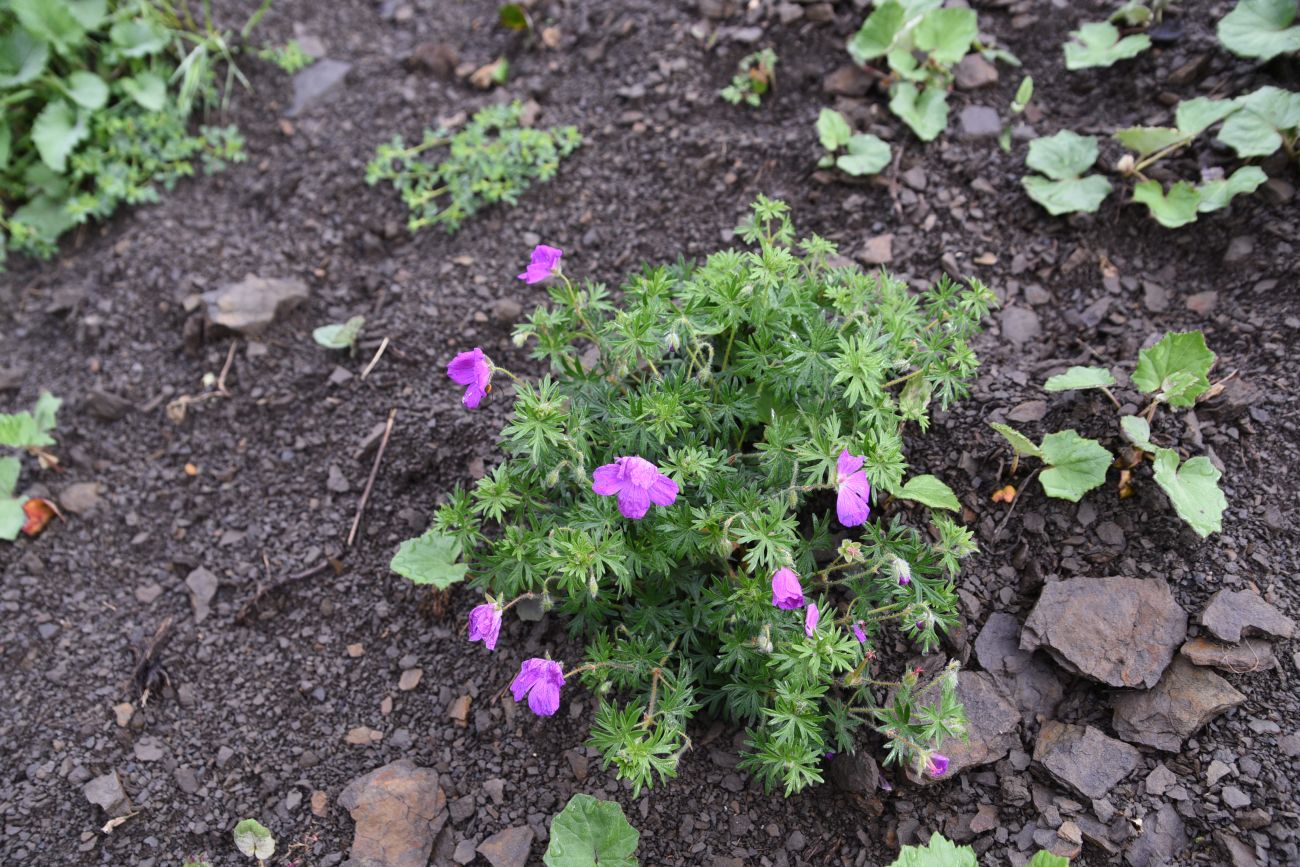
(939, 851)
(864, 154)
(1174, 372)
(755, 75)
(495, 158)
(28, 431)
(97, 97)
(591, 831)
(670, 494)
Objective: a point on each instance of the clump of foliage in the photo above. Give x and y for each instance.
(1261, 29)
(1099, 43)
(591, 831)
(864, 154)
(942, 852)
(254, 840)
(1175, 373)
(729, 405)
(1063, 185)
(755, 75)
(97, 96)
(27, 431)
(493, 159)
(289, 57)
(921, 42)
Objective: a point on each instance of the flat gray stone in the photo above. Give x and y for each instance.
(107, 793)
(203, 588)
(1234, 613)
(973, 72)
(991, 721)
(1083, 758)
(1028, 678)
(979, 121)
(315, 81)
(1163, 836)
(1119, 631)
(1186, 698)
(1250, 656)
(251, 305)
(508, 848)
(1020, 325)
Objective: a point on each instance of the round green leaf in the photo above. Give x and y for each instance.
(1070, 196)
(138, 38)
(1194, 490)
(925, 111)
(1242, 182)
(1062, 156)
(1080, 377)
(58, 129)
(1021, 444)
(1194, 116)
(1137, 430)
(877, 34)
(1176, 208)
(10, 467)
(254, 840)
(147, 89)
(1260, 29)
(1176, 367)
(430, 559)
(22, 58)
(87, 90)
(1098, 44)
(51, 22)
(939, 852)
(833, 130)
(867, 155)
(588, 832)
(929, 491)
(1146, 140)
(342, 336)
(946, 34)
(1076, 465)
(12, 517)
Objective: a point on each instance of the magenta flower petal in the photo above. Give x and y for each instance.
(529, 671)
(633, 502)
(787, 593)
(810, 618)
(606, 480)
(472, 370)
(847, 464)
(545, 263)
(858, 633)
(540, 680)
(937, 765)
(485, 624)
(853, 503)
(637, 482)
(544, 698)
(663, 490)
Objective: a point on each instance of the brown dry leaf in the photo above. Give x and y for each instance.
(116, 823)
(39, 512)
(1125, 484)
(1005, 494)
(486, 75)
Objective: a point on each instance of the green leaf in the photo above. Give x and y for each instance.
(946, 34)
(342, 336)
(1021, 444)
(1135, 13)
(1075, 465)
(10, 467)
(1063, 156)
(138, 38)
(1098, 44)
(1256, 130)
(45, 216)
(1158, 368)
(929, 491)
(12, 517)
(22, 58)
(147, 89)
(51, 22)
(1176, 208)
(878, 32)
(1194, 490)
(833, 130)
(589, 831)
(21, 431)
(1077, 195)
(6, 144)
(926, 112)
(867, 155)
(1080, 377)
(87, 90)
(89, 13)
(1137, 430)
(513, 17)
(254, 840)
(430, 559)
(1146, 140)
(45, 411)
(1242, 182)
(1043, 858)
(939, 852)
(57, 130)
(1194, 116)
(1261, 29)
(1024, 93)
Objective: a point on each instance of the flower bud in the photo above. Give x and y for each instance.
(592, 587)
(1126, 164)
(672, 342)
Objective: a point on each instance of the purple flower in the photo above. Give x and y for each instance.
(787, 593)
(937, 765)
(810, 618)
(637, 482)
(858, 633)
(902, 571)
(485, 624)
(545, 263)
(853, 503)
(472, 370)
(540, 680)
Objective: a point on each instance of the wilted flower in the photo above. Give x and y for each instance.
(859, 633)
(637, 482)
(485, 624)
(902, 571)
(937, 765)
(787, 593)
(851, 551)
(472, 370)
(853, 503)
(810, 618)
(540, 680)
(545, 263)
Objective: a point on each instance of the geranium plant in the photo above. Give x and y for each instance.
(1174, 372)
(28, 431)
(710, 485)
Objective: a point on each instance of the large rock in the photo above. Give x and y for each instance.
(107, 793)
(1163, 836)
(1234, 613)
(1186, 698)
(252, 304)
(991, 722)
(1028, 678)
(1119, 631)
(855, 773)
(1083, 758)
(1250, 656)
(399, 810)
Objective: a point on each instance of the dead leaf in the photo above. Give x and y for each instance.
(116, 823)
(1005, 494)
(39, 512)
(485, 76)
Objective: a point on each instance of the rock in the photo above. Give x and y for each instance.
(360, 736)
(252, 304)
(878, 250)
(106, 406)
(203, 588)
(1027, 678)
(1250, 656)
(1234, 613)
(148, 749)
(1278, 191)
(973, 72)
(855, 773)
(991, 722)
(315, 81)
(848, 80)
(186, 780)
(1155, 297)
(81, 498)
(979, 121)
(507, 311)
(440, 58)
(1119, 631)
(1186, 698)
(508, 848)
(1083, 758)
(1235, 798)
(335, 480)
(410, 679)
(789, 13)
(986, 819)
(399, 810)
(107, 793)
(1163, 836)
(464, 852)
(821, 13)
(1160, 780)
(1240, 854)
(1202, 303)
(1020, 326)
(1239, 250)
(1216, 771)
(1028, 411)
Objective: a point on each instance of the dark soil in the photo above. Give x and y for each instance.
(256, 715)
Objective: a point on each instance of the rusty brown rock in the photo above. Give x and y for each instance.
(1084, 758)
(1186, 698)
(508, 848)
(1250, 656)
(399, 810)
(1234, 613)
(991, 721)
(1119, 631)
